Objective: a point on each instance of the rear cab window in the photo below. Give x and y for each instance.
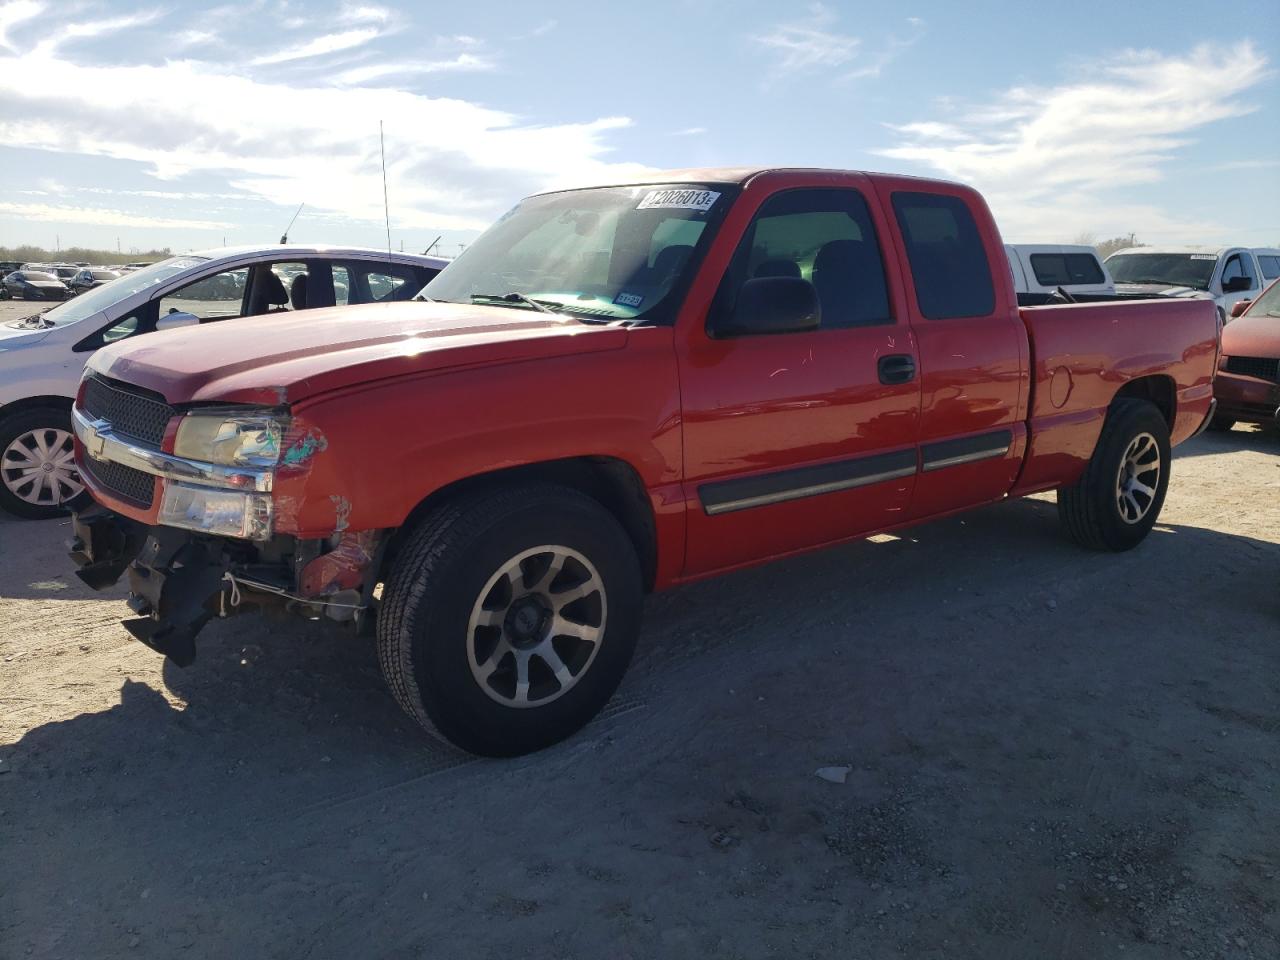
(949, 266)
(1066, 269)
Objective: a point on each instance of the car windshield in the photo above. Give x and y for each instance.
(1268, 302)
(103, 275)
(1174, 269)
(99, 298)
(35, 275)
(606, 254)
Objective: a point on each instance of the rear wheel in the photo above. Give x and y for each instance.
(510, 618)
(38, 476)
(1117, 500)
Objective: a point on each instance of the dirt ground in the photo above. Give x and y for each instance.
(1055, 754)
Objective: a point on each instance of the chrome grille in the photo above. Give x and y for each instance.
(125, 482)
(1261, 367)
(131, 411)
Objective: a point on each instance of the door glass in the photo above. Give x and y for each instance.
(948, 261)
(211, 298)
(823, 236)
(341, 286)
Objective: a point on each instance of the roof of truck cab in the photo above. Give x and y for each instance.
(1202, 248)
(739, 175)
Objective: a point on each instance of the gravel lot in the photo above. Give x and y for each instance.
(1053, 754)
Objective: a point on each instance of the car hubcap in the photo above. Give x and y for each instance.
(1139, 478)
(536, 627)
(38, 467)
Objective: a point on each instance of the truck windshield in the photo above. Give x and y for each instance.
(1172, 269)
(615, 253)
(1268, 303)
(99, 298)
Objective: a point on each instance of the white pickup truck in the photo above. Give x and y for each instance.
(1041, 269)
(1221, 274)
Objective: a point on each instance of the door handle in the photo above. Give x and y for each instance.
(897, 368)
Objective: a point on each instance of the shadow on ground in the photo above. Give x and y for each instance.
(1052, 753)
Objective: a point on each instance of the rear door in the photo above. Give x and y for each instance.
(802, 438)
(972, 345)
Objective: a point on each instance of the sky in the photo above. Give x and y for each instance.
(187, 125)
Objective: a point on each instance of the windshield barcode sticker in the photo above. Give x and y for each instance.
(682, 199)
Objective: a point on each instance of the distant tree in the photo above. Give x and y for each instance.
(1085, 239)
(1107, 247)
(29, 254)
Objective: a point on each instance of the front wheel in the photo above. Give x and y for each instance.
(38, 476)
(1117, 500)
(510, 618)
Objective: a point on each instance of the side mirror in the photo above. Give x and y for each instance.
(1236, 284)
(175, 319)
(1239, 307)
(772, 305)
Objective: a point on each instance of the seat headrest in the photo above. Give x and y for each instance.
(274, 292)
(670, 259)
(777, 268)
(298, 292)
(837, 254)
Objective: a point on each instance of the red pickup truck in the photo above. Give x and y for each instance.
(617, 390)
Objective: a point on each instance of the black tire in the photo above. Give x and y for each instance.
(16, 425)
(1090, 509)
(445, 572)
(1221, 424)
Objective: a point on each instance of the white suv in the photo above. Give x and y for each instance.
(42, 356)
(1221, 274)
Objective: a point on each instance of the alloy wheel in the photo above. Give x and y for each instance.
(536, 627)
(1138, 478)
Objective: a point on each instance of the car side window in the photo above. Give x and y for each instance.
(341, 285)
(127, 326)
(949, 266)
(824, 236)
(1248, 270)
(1060, 269)
(1270, 267)
(210, 298)
(381, 282)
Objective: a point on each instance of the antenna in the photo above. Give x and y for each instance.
(284, 237)
(386, 207)
(427, 252)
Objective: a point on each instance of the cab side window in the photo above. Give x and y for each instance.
(824, 236)
(379, 282)
(949, 265)
(209, 298)
(1237, 266)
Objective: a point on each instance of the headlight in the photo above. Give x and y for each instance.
(225, 513)
(233, 439)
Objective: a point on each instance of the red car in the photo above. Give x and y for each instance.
(1247, 387)
(616, 390)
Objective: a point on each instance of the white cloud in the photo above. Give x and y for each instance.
(452, 165)
(363, 13)
(463, 63)
(689, 132)
(96, 216)
(808, 44)
(1261, 163)
(12, 14)
(95, 28)
(543, 28)
(318, 47)
(1051, 160)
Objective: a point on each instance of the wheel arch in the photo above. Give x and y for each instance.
(1159, 389)
(34, 403)
(613, 483)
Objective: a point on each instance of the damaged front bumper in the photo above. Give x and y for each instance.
(180, 580)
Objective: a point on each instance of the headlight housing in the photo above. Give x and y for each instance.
(225, 513)
(233, 438)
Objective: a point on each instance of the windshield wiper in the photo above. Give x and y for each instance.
(37, 320)
(515, 297)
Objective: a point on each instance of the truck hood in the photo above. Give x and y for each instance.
(1253, 335)
(289, 357)
(1159, 290)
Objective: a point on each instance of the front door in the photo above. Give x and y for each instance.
(798, 439)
